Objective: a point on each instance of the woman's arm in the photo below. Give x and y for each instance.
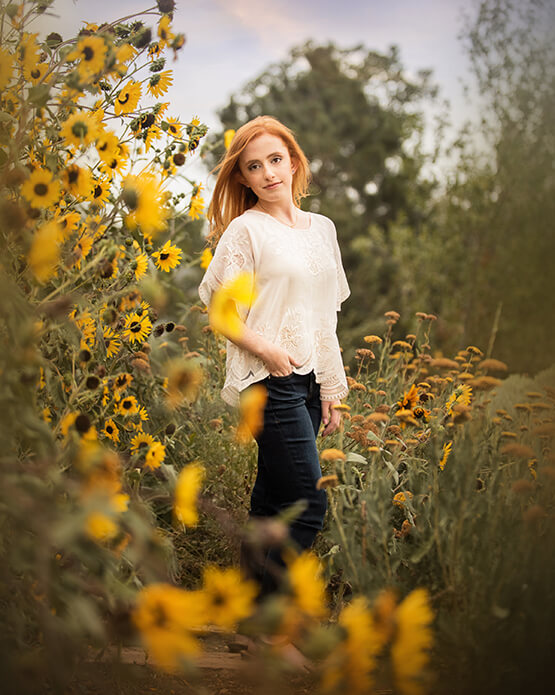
(277, 360)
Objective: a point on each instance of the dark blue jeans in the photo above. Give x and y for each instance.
(288, 467)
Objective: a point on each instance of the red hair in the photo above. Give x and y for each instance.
(231, 198)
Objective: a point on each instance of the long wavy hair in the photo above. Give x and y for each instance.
(231, 198)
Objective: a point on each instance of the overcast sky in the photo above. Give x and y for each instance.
(230, 42)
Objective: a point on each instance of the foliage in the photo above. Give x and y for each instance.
(446, 481)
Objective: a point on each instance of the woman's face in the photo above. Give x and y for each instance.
(266, 167)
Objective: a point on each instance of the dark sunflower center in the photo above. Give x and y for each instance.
(126, 405)
(41, 189)
(114, 164)
(103, 147)
(79, 129)
(142, 445)
(109, 429)
(164, 256)
(125, 98)
(97, 191)
(135, 327)
(88, 53)
(35, 74)
(73, 175)
(159, 616)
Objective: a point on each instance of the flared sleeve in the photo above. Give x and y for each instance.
(234, 254)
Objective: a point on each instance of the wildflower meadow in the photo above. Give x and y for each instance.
(125, 480)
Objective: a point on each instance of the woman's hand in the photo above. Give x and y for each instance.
(277, 360)
(330, 417)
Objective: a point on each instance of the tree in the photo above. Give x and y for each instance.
(501, 203)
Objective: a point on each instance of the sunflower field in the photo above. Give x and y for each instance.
(125, 482)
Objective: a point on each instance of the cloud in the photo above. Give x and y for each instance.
(273, 25)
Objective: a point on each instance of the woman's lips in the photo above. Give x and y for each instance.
(272, 186)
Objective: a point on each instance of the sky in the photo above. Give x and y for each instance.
(229, 42)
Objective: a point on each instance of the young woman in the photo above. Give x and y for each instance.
(288, 340)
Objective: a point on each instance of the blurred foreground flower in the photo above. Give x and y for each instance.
(186, 492)
(412, 641)
(350, 666)
(229, 598)
(223, 312)
(184, 378)
(166, 616)
(251, 408)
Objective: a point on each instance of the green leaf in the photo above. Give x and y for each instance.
(352, 457)
(39, 95)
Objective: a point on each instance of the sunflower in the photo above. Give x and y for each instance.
(44, 253)
(228, 137)
(77, 180)
(155, 455)
(91, 53)
(409, 399)
(187, 489)
(412, 642)
(167, 257)
(174, 127)
(128, 406)
(111, 342)
(196, 206)
(349, 668)
(154, 51)
(107, 146)
(122, 381)
(82, 249)
(100, 192)
(28, 53)
(461, 395)
(445, 454)
(123, 54)
(136, 327)
(159, 83)
(307, 585)
(184, 377)
(128, 98)
(40, 189)
(253, 402)
(111, 431)
(67, 223)
(164, 31)
(205, 258)
(38, 72)
(6, 68)
(141, 265)
(142, 440)
(118, 163)
(79, 129)
(165, 616)
(145, 200)
(153, 133)
(223, 314)
(229, 597)
(101, 527)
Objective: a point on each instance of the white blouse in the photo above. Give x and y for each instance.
(300, 285)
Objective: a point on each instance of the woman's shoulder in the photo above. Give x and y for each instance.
(323, 221)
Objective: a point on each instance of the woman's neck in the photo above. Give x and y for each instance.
(286, 212)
